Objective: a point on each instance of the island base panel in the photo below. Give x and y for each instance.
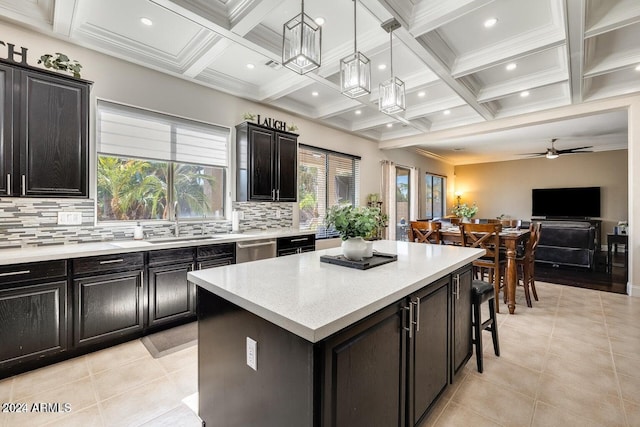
(278, 394)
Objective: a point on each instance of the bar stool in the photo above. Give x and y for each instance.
(481, 292)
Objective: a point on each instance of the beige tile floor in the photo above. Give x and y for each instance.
(571, 360)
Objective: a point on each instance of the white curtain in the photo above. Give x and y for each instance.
(389, 196)
(414, 193)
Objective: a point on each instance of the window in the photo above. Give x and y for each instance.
(435, 196)
(148, 161)
(325, 178)
(403, 191)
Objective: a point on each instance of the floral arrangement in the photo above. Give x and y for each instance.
(464, 210)
(249, 116)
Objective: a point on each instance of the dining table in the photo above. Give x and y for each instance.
(510, 239)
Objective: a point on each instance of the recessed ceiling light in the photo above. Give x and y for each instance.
(421, 94)
(251, 66)
(524, 93)
(314, 93)
(511, 67)
(638, 67)
(319, 20)
(446, 112)
(490, 22)
(389, 125)
(146, 21)
(382, 67)
(358, 112)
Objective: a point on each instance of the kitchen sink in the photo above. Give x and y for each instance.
(182, 239)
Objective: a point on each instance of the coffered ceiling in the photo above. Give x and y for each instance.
(565, 52)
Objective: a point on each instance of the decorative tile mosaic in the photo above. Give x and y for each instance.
(28, 222)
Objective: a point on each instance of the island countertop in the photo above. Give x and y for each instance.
(313, 299)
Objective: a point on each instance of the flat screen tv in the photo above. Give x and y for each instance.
(581, 202)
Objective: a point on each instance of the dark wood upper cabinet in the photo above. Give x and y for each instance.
(266, 164)
(45, 133)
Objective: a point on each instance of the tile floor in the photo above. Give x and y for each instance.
(571, 360)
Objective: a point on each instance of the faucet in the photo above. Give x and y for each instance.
(176, 223)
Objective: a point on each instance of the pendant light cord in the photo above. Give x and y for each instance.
(355, 40)
(391, 51)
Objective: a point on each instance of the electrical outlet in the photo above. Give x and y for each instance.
(252, 354)
(69, 218)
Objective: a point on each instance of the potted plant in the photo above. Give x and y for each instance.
(354, 224)
(61, 62)
(465, 211)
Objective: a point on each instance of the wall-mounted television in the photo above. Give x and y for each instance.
(579, 202)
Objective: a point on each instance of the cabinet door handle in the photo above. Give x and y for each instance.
(417, 322)
(278, 194)
(273, 194)
(199, 266)
(112, 261)
(8, 184)
(141, 278)
(456, 286)
(24, 185)
(15, 273)
(409, 328)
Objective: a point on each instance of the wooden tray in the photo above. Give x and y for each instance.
(377, 259)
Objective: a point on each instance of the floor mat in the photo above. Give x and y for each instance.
(171, 340)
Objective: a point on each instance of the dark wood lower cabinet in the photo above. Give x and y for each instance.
(107, 306)
(461, 314)
(32, 321)
(385, 370)
(171, 296)
(364, 367)
(428, 349)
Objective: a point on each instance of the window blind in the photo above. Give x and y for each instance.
(131, 132)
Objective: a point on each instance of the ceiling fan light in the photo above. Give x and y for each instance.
(301, 42)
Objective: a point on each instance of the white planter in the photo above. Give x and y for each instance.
(369, 251)
(354, 248)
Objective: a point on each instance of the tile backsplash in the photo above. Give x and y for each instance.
(28, 222)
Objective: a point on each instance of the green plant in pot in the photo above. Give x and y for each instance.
(354, 224)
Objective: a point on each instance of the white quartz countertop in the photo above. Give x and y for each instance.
(314, 299)
(54, 252)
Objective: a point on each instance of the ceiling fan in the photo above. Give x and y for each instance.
(552, 153)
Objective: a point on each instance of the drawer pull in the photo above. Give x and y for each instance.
(24, 185)
(8, 184)
(15, 273)
(255, 245)
(302, 239)
(112, 261)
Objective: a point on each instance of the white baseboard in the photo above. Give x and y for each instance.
(633, 290)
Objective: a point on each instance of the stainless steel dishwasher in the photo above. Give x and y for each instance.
(253, 250)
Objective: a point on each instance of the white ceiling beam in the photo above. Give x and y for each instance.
(507, 123)
(510, 87)
(63, 14)
(217, 49)
(428, 16)
(251, 13)
(575, 17)
(621, 14)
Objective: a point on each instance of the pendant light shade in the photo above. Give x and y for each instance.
(391, 92)
(355, 69)
(301, 42)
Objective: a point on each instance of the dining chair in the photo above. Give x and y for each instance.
(511, 223)
(487, 237)
(424, 232)
(527, 261)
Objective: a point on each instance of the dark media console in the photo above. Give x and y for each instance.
(568, 241)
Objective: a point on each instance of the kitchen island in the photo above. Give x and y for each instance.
(334, 346)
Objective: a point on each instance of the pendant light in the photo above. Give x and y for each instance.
(301, 41)
(391, 97)
(355, 69)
